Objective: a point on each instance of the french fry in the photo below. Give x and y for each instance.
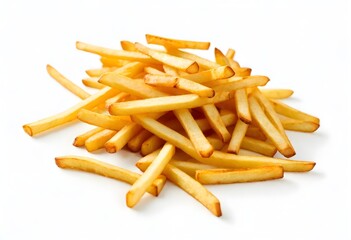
(79, 141)
(258, 146)
(277, 93)
(211, 74)
(177, 62)
(152, 172)
(242, 105)
(291, 112)
(235, 84)
(98, 140)
(255, 132)
(115, 54)
(136, 142)
(237, 137)
(216, 122)
(69, 85)
(202, 62)
(225, 176)
(113, 62)
(230, 53)
(151, 144)
(218, 158)
(153, 39)
(102, 120)
(167, 103)
(221, 59)
(97, 72)
(70, 114)
(271, 132)
(299, 125)
(118, 98)
(216, 143)
(107, 170)
(128, 46)
(192, 187)
(160, 80)
(121, 138)
(151, 70)
(93, 83)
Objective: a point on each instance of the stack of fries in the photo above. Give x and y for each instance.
(194, 121)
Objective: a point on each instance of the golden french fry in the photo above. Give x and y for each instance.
(121, 138)
(118, 98)
(136, 142)
(152, 172)
(221, 59)
(258, 146)
(230, 53)
(211, 74)
(191, 186)
(242, 105)
(93, 83)
(299, 125)
(102, 120)
(69, 85)
(268, 128)
(277, 93)
(177, 62)
(160, 80)
(255, 132)
(291, 112)
(115, 54)
(79, 141)
(99, 71)
(176, 43)
(216, 143)
(113, 62)
(107, 170)
(202, 62)
(151, 144)
(128, 46)
(225, 176)
(216, 122)
(218, 158)
(233, 83)
(98, 140)
(237, 137)
(70, 114)
(167, 103)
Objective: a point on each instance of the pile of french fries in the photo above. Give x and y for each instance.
(195, 121)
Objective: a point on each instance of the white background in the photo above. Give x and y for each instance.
(302, 45)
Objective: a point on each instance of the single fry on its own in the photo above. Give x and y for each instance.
(107, 170)
(237, 136)
(184, 64)
(277, 93)
(242, 105)
(268, 128)
(79, 141)
(225, 176)
(299, 125)
(69, 85)
(98, 140)
(218, 158)
(70, 114)
(191, 186)
(152, 172)
(103, 120)
(121, 138)
(176, 43)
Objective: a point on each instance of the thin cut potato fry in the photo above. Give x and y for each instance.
(107, 170)
(69, 85)
(113, 62)
(151, 144)
(221, 59)
(193, 188)
(99, 71)
(248, 82)
(202, 62)
(121, 138)
(70, 114)
(135, 143)
(268, 128)
(216, 122)
(230, 53)
(218, 158)
(128, 46)
(177, 62)
(118, 98)
(93, 83)
(242, 105)
(160, 80)
(198, 139)
(118, 54)
(102, 120)
(237, 137)
(225, 176)
(167, 103)
(299, 125)
(258, 146)
(176, 43)
(79, 141)
(98, 140)
(211, 74)
(152, 172)
(277, 93)
(291, 112)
